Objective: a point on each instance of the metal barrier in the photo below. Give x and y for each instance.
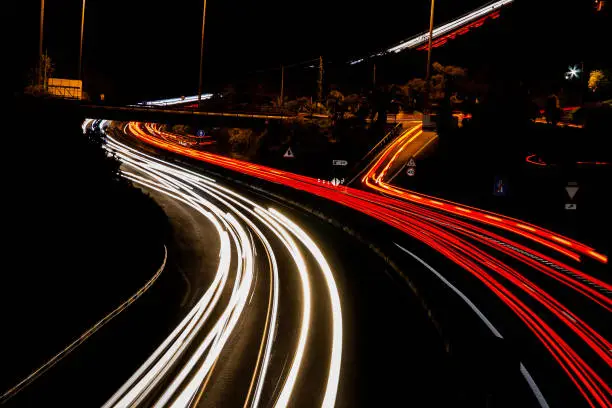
(375, 150)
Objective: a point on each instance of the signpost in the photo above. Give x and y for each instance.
(339, 162)
(288, 154)
(500, 187)
(411, 167)
(571, 189)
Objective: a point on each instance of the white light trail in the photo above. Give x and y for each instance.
(174, 101)
(441, 30)
(333, 377)
(183, 388)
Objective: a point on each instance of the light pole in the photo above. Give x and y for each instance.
(201, 58)
(80, 73)
(40, 43)
(374, 77)
(582, 85)
(282, 90)
(426, 109)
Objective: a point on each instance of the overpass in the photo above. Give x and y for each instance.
(167, 114)
(445, 32)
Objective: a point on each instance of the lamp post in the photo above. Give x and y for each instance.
(201, 58)
(282, 90)
(426, 110)
(80, 73)
(40, 43)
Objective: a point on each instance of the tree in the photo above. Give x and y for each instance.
(596, 78)
(239, 139)
(277, 103)
(442, 85)
(449, 70)
(47, 68)
(334, 99)
(335, 103)
(417, 85)
(353, 102)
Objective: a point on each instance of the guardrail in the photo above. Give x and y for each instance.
(375, 150)
(157, 109)
(86, 335)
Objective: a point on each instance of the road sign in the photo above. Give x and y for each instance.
(410, 171)
(499, 187)
(200, 133)
(411, 162)
(572, 189)
(288, 154)
(339, 162)
(335, 182)
(571, 206)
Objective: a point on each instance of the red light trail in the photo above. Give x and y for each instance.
(440, 224)
(440, 41)
(534, 159)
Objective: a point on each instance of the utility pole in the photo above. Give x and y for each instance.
(374, 77)
(282, 90)
(80, 73)
(426, 109)
(40, 43)
(320, 81)
(45, 67)
(582, 83)
(201, 58)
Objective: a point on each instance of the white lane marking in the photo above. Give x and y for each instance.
(532, 385)
(472, 306)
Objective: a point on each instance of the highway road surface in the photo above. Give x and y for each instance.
(549, 293)
(546, 279)
(228, 349)
(300, 293)
(262, 305)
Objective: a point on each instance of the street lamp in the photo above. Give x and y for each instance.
(574, 72)
(201, 58)
(426, 110)
(80, 73)
(40, 43)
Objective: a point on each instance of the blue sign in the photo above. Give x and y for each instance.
(200, 133)
(500, 188)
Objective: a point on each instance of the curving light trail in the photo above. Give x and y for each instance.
(451, 228)
(592, 387)
(535, 160)
(441, 33)
(331, 389)
(177, 373)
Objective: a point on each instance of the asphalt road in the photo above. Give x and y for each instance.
(388, 341)
(511, 267)
(367, 357)
(247, 316)
(433, 373)
(556, 286)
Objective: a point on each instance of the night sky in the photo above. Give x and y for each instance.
(142, 49)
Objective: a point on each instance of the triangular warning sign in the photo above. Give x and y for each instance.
(571, 191)
(288, 154)
(411, 162)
